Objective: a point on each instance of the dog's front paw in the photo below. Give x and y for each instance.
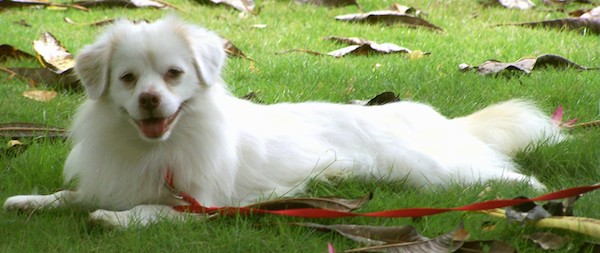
(28, 202)
(111, 219)
(142, 215)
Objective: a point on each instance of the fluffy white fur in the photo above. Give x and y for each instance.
(226, 151)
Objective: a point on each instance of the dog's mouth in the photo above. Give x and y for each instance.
(156, 127)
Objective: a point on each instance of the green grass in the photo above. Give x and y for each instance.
(468, 38)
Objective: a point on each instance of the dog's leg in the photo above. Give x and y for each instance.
(141, 215)
(32, 202)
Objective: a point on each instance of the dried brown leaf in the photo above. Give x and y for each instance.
(232, 50)
(490, 246)
(329, 203)
(97, 23)
(587, 226)
(20, 130)
(47, 4)
(549, 241)
(37, 76)
(10, 52)
(372, 235)
(449, 242)
(588, 21)
(406, 9)
(349, 40)
(388, 17)
(511, 4)
(300, 50)
(121, 3)
(591, 14)
(368, 49)
(14, 148)
(328, 3)
(252, 96)
(22, 3)
(525, 65)
(52, 54)
(40, 95)
(358, 46)
(517, 4)
(245, 6)
(385, 97)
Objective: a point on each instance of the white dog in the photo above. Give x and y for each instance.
(157, 104)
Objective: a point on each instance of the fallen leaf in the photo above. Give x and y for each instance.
(22, 3)
(384, 98)
(388, 17)
(245, 6)
(368, 49)
(511, 4)
(518, 4)
(52, 54)
(590, 25)
(301, 51)
(358, 46)
(252, 96)
(380, 99)
(449, 242)
(406, 9)
(121, 3)
(489, 246)
(21, 130)
(548, 241)
(232, 50)
(586, 125)
(40, 95)
(349, 40)
(525, 65)
(22, 22)
(329, 203)
(97, 23)
(13, 148)
(371, 235)
(587, 21)
(591, 14)
(361, 46)
(329, 3)
(534, 214)
(10, 52)
(37, 76)
(583, 225)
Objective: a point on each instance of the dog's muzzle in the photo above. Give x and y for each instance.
(156, 127)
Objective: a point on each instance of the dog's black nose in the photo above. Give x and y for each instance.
(149, 100)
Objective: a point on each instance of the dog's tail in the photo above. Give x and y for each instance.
(512, 126)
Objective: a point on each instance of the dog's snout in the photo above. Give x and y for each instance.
(149, 100)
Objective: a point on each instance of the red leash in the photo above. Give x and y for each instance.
(195, 207)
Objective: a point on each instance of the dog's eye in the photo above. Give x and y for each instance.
(173, 73)
(128, 78)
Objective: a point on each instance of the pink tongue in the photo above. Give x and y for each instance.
(153, 128)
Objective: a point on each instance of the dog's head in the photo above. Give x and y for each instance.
(149, 70)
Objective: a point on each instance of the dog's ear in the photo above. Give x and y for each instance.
(209, 54)
(92, 67)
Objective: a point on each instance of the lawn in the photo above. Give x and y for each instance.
(469, 37)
